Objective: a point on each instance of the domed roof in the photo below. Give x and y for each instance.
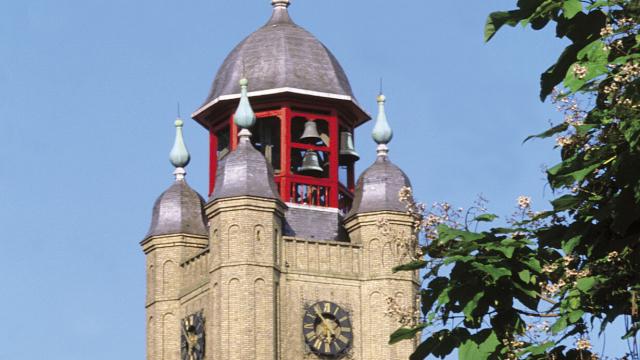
(378, 188)
(281, 55)
(178, 210)
(244, 172)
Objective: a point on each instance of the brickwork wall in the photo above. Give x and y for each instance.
(165, 254)
(381, 253)
(244, 272)
(254, 285)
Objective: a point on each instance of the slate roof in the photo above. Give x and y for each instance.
(244, 172)
(378, 187)
(281, 54)
(178, 210)
(307, 222)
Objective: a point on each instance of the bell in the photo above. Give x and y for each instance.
(310, 134)
(310, 164)
(348, 152)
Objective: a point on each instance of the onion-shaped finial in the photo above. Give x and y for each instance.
(179, 155)
(280, 3)
(382, 133)
(244, 116)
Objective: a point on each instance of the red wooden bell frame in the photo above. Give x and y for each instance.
(283, 124)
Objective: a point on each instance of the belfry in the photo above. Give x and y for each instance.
(286, 259)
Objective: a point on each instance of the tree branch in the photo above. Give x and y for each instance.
(542, 315)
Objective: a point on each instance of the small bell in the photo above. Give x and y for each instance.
(348, 152)
(310, 164)
(310, 134)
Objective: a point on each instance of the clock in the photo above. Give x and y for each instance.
(192, 339)
(327, 329)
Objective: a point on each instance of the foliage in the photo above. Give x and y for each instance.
(536, 289)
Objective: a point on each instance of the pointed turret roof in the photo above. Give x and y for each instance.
(179, 209)
(378, 188)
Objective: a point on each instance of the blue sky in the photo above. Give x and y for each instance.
(88, 93)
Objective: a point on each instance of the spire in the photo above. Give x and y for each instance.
(280, 3)
(382, 132)
(179, 155)
(244, 116)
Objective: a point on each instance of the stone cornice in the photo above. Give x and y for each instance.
(245, 203)
(155, 242)
(368, 219)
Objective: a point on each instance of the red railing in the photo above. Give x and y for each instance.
(308, 194)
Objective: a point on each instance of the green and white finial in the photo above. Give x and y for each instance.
(179, 155)
(280, 3)
(244, 116)
(382, 132)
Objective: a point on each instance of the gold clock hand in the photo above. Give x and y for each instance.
(324, 322)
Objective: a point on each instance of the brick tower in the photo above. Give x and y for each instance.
(287, 259)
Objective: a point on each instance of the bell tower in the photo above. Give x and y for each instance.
(306, 112)
(289, 258)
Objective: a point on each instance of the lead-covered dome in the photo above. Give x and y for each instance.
(281, 55)
(179, 210)
(244, 172)
(378, 188)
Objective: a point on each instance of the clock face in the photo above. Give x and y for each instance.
(192, 338)
(327, 329)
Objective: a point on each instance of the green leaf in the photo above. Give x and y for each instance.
(506, 247)
(545, 9)
(598, 4)
(479, 346)
(595, 52)
(569, 245)
(495, 272)
(472, 305)
(446, 233)
(575, 315)
(457, 258)
(533, 264)
(595, 58)
(579, 175)
(486, 217)
(490, 344)
(414, 265)
(571, 8)
(497, 19)
(507, 251)
(405, 333)
(631, 131)
(566, 202)
(539, 349)
(557, 72)
(548, 133)
(584, 129)
(586, 284)
(525, 276)
(559, 325)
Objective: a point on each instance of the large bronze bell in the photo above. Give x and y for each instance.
(310, 164)
(348, 152)
(310, 134)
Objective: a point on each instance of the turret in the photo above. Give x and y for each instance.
(380, 222)
(245, 213)
(177, 232)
